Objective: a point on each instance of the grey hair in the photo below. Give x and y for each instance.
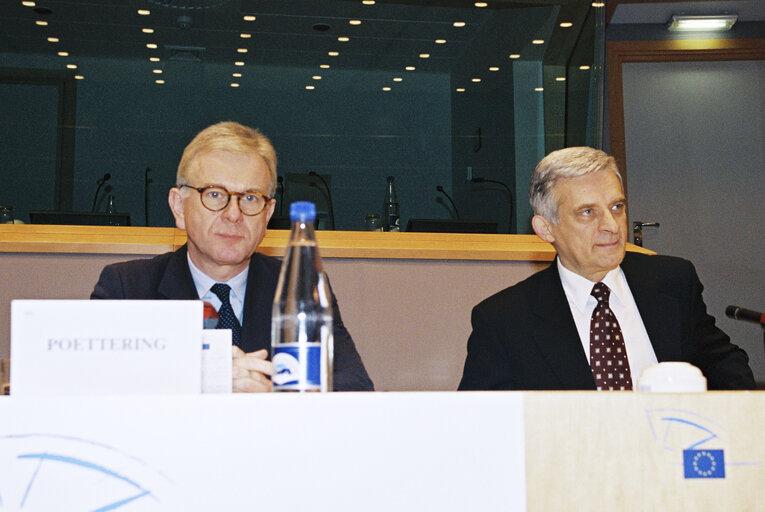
(564, 163)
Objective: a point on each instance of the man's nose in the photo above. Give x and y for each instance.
(608, 222)
(232, 212)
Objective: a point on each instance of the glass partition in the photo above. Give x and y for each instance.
(457, 102)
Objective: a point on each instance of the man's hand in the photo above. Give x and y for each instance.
(251, 372)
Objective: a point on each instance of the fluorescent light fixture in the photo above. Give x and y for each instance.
(687, 23)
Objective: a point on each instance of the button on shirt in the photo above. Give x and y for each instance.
(577, 288)
(238, 285)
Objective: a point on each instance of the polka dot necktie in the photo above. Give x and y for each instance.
(608, 356)
(227, 318)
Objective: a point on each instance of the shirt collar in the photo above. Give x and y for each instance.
(203, 282)
(578, 288)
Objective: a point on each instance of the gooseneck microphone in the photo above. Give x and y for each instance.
(100, 184)
(146, 181)
(509, 196)
(745, 315)
(329, 197)
(441, 189)
(280, 191)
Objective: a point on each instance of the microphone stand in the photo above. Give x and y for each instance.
(146, 181)
(100, 182)
(280, 191)
(509, 195)
(441, 189)
(329, 197)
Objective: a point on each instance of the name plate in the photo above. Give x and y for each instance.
(105, 347)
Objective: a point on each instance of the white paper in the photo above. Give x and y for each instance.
(105, 347)
(216, 361)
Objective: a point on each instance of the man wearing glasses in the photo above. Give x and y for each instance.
(223, 200)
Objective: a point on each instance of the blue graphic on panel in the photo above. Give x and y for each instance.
(704, 463)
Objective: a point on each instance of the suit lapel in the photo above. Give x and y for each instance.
(177, 283)
(258, 303)
(556, 336)
(658, 310)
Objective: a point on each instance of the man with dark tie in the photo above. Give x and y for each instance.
(223, 199)
(598, 315)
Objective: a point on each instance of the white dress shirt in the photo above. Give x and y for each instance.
(238, 285)
(640, 353)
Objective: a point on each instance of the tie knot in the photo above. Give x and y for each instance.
(221, 290)
(601, 292)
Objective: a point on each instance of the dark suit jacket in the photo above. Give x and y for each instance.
(167, 276)
(524, 337)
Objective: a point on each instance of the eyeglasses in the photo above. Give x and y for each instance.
(216, 198)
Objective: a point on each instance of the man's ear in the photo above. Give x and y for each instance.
(175, 200)
(543, 228)
(270, 209)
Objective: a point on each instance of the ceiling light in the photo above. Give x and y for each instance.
(236, 75)
(42, 23)
(333, 54)
(78, 77)
(424, 55)
(538, 41)
(560, 78)
(494, 68)
(156, 71)
(343, 39)
(28, 4)
(539, 89)
(245, 35)
(234, 84)
(159, 81)
(584, 68)
(566, 24)
(368, 2)
(53, 39)
(440, 41)
(355, 22)
(248, 18)
(63, 54)
(476, 80)
(460, 89)
(241, 50)
(324, 66)
(71, 66)
(153, 59)
(310, 87)
(398, 79)
(239, 63)
(410, 68)
(598, 4)
(316, 77)
(147, 30)
(459, 24)
(481, 4)
(386, 88)
(688, 23)
(515, 56)
(151, 46)
(144, 12)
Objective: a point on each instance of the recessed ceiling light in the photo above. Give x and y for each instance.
(598, 4)
(63, 54)
(144, 12)
(159, 81)
(147, 30)
(241, 50)
(333, 54)
(355, 22)
(28, 4)
(459, 23)
(245, 35)
(494, 68)
(239, 63)
(324, 66)
(566, 24)
(248, 18)
(460, 89)
(440, 41)
(424, 55)
(236, 75)
(316, 77)
(42, 23)
(78, 77)
(538, 41)
(71, 66)
(584, 68)
(386, 89)
(515, 55)
(410, 68)
(151, 46)
(310, 87)
(156, 71)
(234, 84)
(153, 59)
(481, 4)
(53, 39)
(398, 79)
(368, 2)
(476, 80)
(690, 23)
(539, 89)
(343, 39)
(560, 78)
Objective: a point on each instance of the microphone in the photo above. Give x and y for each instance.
(146, 181)
(509, 196)
(100, 182)
(745, 315)
(329, 197)
(441, 189)
(280, 191)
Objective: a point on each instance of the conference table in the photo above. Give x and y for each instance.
(512, 451)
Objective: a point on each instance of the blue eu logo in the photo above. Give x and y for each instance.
(704, 463)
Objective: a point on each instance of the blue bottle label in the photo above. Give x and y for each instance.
(297, 366)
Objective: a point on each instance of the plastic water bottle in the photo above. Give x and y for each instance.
(301, 323)
(390, 208)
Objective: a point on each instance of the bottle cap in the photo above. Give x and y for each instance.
(302, 211)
